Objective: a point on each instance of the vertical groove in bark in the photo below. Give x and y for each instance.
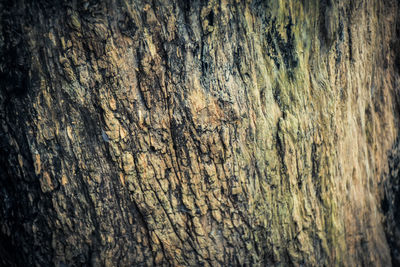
(198, 133)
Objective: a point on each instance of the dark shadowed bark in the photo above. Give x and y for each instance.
(192, 133)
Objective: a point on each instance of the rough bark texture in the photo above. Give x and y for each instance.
(199, 133)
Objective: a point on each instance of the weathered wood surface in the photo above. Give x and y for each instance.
(193, 133)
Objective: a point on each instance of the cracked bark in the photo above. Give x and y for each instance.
(199, 133)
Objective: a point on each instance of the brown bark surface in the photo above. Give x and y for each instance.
(199, 133)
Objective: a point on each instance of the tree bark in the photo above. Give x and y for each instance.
(193, 133)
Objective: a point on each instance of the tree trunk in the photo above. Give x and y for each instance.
(193, 133)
